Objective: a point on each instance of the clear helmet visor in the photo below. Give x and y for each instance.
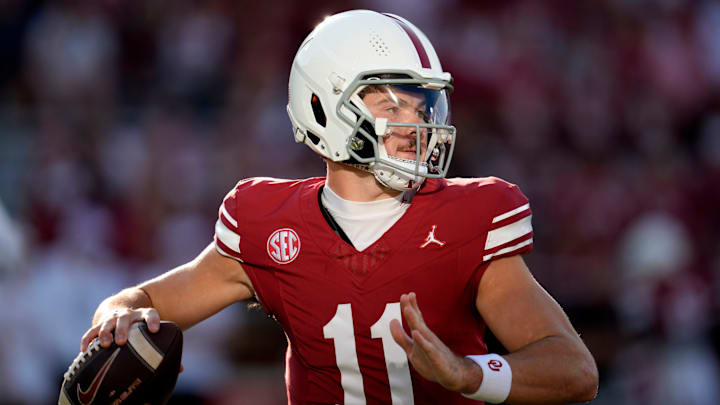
(406, 103)
(411, 125)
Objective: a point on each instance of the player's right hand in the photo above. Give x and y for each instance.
(119, 321)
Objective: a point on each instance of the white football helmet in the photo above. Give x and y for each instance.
(355, 51)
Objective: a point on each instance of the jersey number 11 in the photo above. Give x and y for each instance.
(340, 329)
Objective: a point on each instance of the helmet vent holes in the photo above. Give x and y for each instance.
(378, 45)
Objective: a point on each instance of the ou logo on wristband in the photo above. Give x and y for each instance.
(495, 365)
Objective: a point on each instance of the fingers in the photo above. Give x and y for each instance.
(426, 345)
(88, 337)
(152, 319)
(430, 357)
(413, 302)
(411, 312)
(121, 329)
(116, 325)
(106, 329)
(399, 335)
(416, 324)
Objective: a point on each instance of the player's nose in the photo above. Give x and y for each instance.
(407, 131)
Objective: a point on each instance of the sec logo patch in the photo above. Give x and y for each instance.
(283, 245)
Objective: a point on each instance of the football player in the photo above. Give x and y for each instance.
(384, 275)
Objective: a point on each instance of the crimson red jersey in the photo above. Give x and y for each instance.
(335, 303)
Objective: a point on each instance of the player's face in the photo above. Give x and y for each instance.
(400, 106)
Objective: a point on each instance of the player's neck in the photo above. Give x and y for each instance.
(354, 184)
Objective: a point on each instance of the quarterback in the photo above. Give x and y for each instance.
(384, 274)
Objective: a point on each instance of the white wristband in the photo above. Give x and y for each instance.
(497, 378)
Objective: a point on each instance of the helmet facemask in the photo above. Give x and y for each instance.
(400, 128)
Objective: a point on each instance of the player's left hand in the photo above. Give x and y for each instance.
(429, 355)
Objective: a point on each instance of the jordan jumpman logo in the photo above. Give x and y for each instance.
(430, 238)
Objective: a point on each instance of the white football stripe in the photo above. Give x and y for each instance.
(227, 215)
(508, 233)
(145, 349)
(511, 213)
(227, 237)
(507, 249)
(63, 400)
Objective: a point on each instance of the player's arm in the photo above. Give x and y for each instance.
(185, 295)
(549, 361)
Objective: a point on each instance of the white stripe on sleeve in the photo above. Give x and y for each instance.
(227, 215)
(227, 237)
(226, 254)
(507, 249)
(505, 215)
(508, 233)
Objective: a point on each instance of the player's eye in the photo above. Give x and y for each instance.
(423, 115)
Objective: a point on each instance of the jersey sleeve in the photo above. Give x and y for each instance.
(245, 197)
(227, 231)
(509, 228)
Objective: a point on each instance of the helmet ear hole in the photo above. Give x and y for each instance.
(364, 148)
(318, 111)
(313, 138)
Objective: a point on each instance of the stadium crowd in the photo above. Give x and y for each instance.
(122, 125)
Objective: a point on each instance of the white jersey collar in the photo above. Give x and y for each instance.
(363, 222)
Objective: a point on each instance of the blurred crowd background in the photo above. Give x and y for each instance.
(124, 123)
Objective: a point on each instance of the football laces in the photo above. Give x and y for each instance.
(80, 359)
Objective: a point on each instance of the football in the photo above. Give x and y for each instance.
(142, 371)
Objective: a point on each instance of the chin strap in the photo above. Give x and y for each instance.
(386, 176)
(359, 166)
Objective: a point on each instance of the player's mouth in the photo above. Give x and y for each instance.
(407, 153)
